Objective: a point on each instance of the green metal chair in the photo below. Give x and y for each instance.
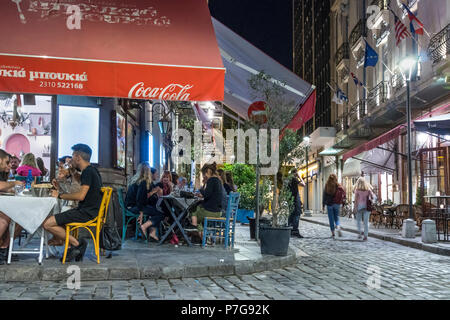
(127, 216)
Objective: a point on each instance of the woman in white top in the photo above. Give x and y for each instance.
(363, 190)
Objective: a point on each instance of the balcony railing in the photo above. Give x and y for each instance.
(383, 4)
(383, 33)
(440, 45)
(356, 33)
(344, 74)
(342, 53)
(397, 82)
(377, 96)
(357, 111)
(341, 123)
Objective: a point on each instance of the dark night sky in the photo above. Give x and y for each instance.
(267, 24)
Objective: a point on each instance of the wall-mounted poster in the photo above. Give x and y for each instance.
(130, 149)
(119, 131)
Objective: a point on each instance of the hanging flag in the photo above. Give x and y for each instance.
(356, 80)
(412, 17)
(371, 57)
(400, 30)
(339, 96)
(303, 115)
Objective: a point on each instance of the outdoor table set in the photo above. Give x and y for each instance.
(179, 209)
(29, 210)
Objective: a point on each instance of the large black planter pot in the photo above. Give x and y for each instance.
(262, 222)
(275, 241)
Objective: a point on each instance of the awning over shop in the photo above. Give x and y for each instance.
(378, 141)
(242, 60)
(437, 124)
(139, 49)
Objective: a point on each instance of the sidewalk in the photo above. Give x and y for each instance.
(140, 260)
(387, 234)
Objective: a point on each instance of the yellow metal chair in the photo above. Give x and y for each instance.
(97, 223)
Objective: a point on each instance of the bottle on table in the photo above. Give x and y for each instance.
(29, 180)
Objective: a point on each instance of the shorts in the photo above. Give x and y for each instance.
(201, 213)
(70, 216)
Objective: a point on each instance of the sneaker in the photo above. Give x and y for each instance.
(339, 232)
(365, 239)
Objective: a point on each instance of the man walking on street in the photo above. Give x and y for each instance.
(294, 217)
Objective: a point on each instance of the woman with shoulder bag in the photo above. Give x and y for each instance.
(333, 197)
(364, 197)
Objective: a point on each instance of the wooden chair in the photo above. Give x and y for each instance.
(377, 216)
(401, 213)
(418, 216)
(97, 222)
(223, 228)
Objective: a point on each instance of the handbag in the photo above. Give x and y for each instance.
(369, 204)
(110, 239)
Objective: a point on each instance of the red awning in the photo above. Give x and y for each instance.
(141, 49)
(378, 141)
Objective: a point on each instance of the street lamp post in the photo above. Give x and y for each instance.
(407, 66)
(306, 141)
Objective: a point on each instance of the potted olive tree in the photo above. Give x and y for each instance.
(275, 237)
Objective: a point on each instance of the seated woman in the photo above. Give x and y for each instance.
(226, 190)
(167, 184)
(41, 166)
(145, 202)
(230, 181)
(29, 163)
(212, 198)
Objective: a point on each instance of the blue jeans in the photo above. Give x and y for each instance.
(333, 215)
(363, 216)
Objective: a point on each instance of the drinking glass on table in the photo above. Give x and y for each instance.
(18, 189)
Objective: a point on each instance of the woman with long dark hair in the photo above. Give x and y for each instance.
(212, 198)
(333, 197)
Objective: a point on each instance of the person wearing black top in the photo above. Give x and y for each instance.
(294, 217)
(146, 200)
(212, 198)
(89, 197)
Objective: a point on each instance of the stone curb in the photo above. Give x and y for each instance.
(404, 242)
(13, 273)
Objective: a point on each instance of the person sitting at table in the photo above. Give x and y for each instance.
(41, 166)
(226, 190)
(230, 181)
(167, 184)
(182, 184)
(212, 199)
(89, 197)
(14, 162)
(4, 219)
(147, 198)
(29, 163)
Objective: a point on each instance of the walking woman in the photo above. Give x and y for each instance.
(363, 191)
(333, 197)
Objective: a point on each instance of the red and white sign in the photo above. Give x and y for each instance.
(140, 49)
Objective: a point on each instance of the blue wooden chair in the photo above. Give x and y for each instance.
(222, 228)
(127, 216)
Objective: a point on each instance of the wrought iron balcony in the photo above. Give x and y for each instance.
(357, 111)
(357, 33)
(383, 4)
(397, 81)
(342, 53)
(341, 123)
(439, 45)
(377, 96)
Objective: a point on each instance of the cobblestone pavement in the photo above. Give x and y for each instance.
(333, 269)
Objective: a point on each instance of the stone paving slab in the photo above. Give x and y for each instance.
(141, 260)
(387, 234)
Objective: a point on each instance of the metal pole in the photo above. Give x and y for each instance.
(257, 187)
(307, 196)
(408, 113)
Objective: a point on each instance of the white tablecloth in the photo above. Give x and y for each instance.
(29, 212)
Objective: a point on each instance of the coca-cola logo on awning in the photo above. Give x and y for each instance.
(108, 11)
(172, 91)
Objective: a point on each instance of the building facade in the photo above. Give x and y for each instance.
(370, 134)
